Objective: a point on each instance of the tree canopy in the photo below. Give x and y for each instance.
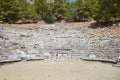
(79, 10)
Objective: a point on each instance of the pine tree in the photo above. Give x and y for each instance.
(8, 11)
(87, 9)
(106, 10)
(49, 18)
(26, 10)
(78, 11)
(41, 8)
(84, 9)
(60, 9)
(71, 11)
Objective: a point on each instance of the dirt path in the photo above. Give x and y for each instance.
(50, 70)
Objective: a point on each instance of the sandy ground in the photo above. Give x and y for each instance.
(50, 70)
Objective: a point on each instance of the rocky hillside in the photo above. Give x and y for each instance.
(75, 39)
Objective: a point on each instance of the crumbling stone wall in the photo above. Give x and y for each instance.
(77, 42)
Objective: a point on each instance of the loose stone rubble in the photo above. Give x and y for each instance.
(58, 42)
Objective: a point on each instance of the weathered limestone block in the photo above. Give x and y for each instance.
(0, 57)
(31, 56)
(4, 57)
(12, 57)
(92, 56)
(47, 55)
(23, 56)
